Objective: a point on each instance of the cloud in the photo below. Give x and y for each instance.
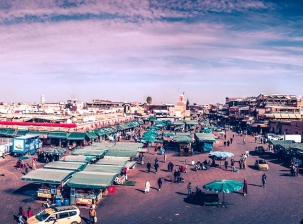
(108, 46)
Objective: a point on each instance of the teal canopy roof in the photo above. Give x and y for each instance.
(49, 176)
(60, 165)
(91, 180)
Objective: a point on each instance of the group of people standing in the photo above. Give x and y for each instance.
(22, 218)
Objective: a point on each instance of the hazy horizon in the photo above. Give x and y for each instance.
(128, 50)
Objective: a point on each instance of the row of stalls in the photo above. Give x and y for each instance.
(71, 139)
(187, 143)
(288, 149)
(84, 176)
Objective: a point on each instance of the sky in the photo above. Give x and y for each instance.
(126, 50)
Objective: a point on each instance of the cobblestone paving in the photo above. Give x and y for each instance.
(279, 202)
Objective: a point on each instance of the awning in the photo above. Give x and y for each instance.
(152, 118)
(8, 133)
(269, 115)
(60, 165)
(292, 116)
(89, 152)
(31, 132)
(49, 176)
(57, 134)
(77, 158)
(92, 180)
(91, 135)
(112, 162)
(191, 122)
(277, 116)
(104, 168)
(21, 132)
(121, 154)
(285, 116)
(76, 136)
(205, 137)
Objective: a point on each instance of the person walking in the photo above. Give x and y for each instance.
(142, 160)
(156, 160)
(226, 164)
(21, 215)
(29, 212)
(255, 139)
(156, 166)
(159, 183)
(175, 176)
(165, 157)
(189, 190)
(231, 140)
(232, 163)
(148, 165)
(264, 179)
(245, 187)
(244, 141)
(92, 215)
(147, 187)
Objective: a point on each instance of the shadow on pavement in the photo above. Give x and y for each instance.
(86, 220)
(144, 171)
(285, 175)
(180, 193)
(255, 185)
(140, 190)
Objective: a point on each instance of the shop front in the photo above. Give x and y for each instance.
(52, 182)
(87, 187)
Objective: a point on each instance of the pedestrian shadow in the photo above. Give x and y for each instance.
(143, 171)
(285, 175)
(16, 218)
(164, 170)
(86, 220)
(142, 191)
(154, 188)
(168, 180)
(255, 185)
(238, 192)
(180, 193)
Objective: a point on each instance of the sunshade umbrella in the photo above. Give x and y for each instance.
(221, 154)
(149, 138)
(225, 186)
(54, 151)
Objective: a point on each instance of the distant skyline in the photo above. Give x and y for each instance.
(128, 50)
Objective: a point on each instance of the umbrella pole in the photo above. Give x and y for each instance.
(223, 202)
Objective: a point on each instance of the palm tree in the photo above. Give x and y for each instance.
(149, 99)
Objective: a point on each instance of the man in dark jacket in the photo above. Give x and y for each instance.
(148, 165)
(156, 167)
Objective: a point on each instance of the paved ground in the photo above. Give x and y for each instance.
(279, 202)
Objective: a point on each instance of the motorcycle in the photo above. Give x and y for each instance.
(47, 204)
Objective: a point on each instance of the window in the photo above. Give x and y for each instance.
(72, 213)
(63, 215)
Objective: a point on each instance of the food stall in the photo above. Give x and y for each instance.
(52, 181)
(204, 141)
(185, 143)
(87, 187)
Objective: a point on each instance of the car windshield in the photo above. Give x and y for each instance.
(42, 216)
(262, 162)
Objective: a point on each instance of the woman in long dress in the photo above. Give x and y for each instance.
(147, 187)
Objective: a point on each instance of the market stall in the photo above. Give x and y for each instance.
(87, 186)
(185, 143)
(204, 141)
(112, 162)
(52, 181)
(60, 165)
